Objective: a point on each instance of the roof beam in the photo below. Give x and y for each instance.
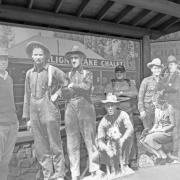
(123, 13)
(154, 20)
(30, 4)
(161, 6)
(58, 6)
(59, 21)
(165, 25)
(139, 17)
(82, 7)
(104, 10)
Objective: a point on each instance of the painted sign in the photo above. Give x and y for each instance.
(89, 62)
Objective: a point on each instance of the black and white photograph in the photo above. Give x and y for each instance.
(90, 89)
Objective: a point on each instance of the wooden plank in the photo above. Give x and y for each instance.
(161, 6)
(30, 4)
(58, 6)
(104, 10)
(165, 25)
(139, 17)
(123, 13)
(154, 20)
(59, 21)
(82, 7)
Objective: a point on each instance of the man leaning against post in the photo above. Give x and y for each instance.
(8, 119)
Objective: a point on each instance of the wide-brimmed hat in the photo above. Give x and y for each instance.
(172, 59)
(35, 44)
(75, 50)
(155, 62)
(3, 52)
(110, 98)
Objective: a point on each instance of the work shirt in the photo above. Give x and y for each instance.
(36, 84)
(146, 92)
(122, 121)
(82, 81)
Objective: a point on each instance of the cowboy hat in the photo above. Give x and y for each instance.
(110, 98)
(35, 44)
(3, 52)
(155, 62)
(171, 59)
(75, 50)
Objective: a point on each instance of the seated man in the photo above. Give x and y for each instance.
(115, 137)
(160, 135)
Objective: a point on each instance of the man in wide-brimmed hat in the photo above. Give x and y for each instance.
(115, 136)
(147, 91)
(42, 87)
(80, 117)
(171, 87)
(123, 86)
(8, 118)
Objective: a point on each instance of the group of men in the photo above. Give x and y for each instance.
(159, 107)
(44, 84)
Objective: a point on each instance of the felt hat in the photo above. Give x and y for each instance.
(155, 62)
(110, 98)
(3, 52)
(75, 50)
(35, 44)
(172, 59)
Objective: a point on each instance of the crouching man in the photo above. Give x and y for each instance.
(115, 136)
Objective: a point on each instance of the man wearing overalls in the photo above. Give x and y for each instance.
(80, 117)
(123, 87)
(42, 87)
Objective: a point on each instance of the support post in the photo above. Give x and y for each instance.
(146, 56)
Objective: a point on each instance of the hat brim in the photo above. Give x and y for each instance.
(150, 65)
(174, 61)
(70, 53)
(119, 100)
(33, 44)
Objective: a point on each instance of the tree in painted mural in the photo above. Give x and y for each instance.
(125, 51)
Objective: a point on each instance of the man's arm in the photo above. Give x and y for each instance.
(101, 135)
(141, 94)
(27, 94)
(128, 126)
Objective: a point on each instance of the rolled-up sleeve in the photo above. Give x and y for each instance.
(27, 94)
(128, 125)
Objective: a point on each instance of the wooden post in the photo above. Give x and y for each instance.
(146, 56)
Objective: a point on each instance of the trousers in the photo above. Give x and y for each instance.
(45, 120)
(8, 136)
(80, 120)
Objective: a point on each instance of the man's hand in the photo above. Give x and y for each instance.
(142, 114)
(29, 126)
(54, 97)
(70, 85)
